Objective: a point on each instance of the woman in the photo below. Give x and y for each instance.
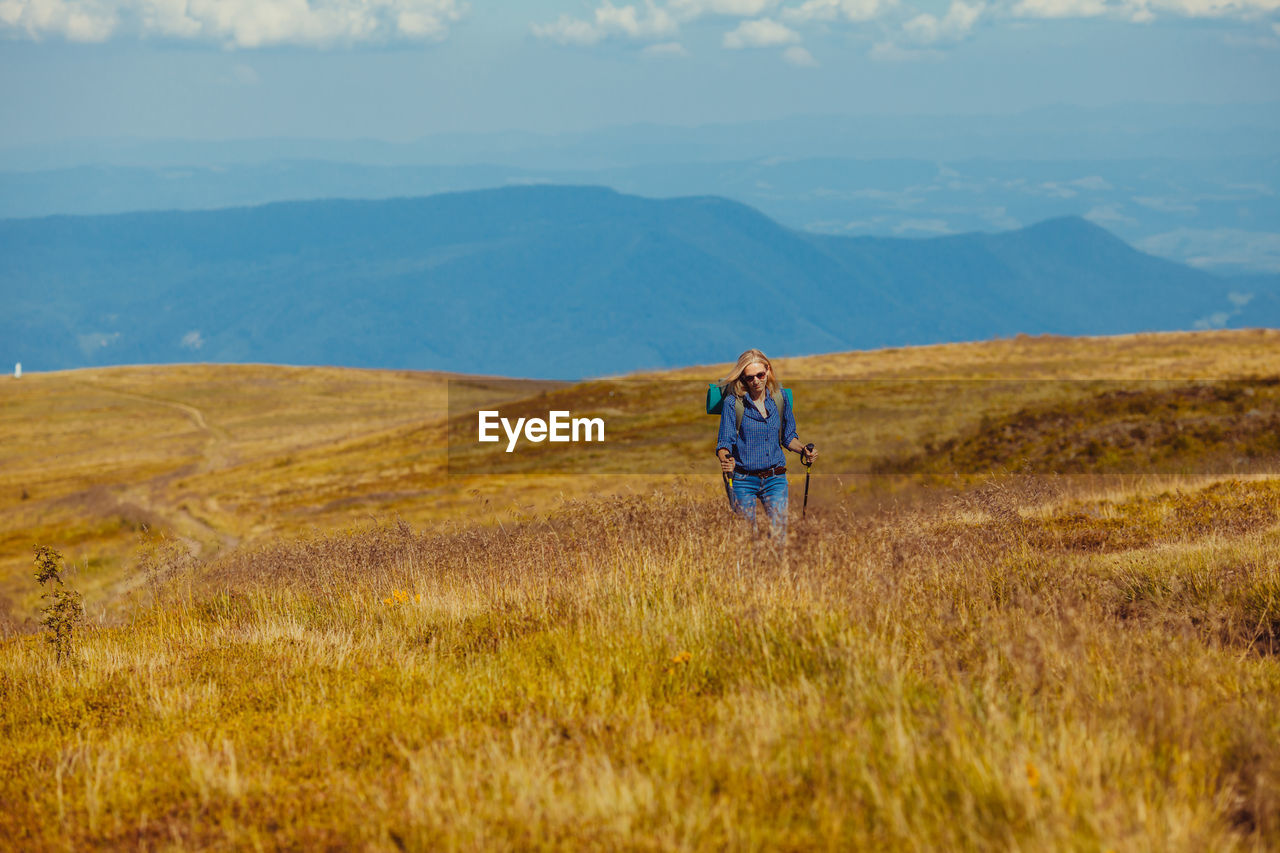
(752, 452)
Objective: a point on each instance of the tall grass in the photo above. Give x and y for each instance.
(644, 673)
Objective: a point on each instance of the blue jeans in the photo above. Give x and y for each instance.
(770, 491)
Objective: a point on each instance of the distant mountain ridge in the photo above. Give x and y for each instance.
(1219, 214)
(558, 281)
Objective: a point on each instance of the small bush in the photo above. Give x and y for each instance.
(65, 608)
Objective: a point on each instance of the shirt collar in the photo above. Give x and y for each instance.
(768, 402)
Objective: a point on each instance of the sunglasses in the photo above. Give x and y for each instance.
(750, 378)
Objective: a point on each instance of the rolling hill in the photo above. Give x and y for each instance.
(229, 456)
(306, 628)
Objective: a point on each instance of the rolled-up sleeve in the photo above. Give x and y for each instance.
(728, 426)
(788, 424)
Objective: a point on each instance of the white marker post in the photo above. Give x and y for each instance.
(17, 370)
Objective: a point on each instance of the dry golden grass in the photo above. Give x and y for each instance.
(636, 673)
(213, 454)
(219, 455)
(521, 661)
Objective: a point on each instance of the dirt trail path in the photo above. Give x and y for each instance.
(200, 536)
(217, 450)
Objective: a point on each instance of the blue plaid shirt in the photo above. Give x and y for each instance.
(756, 447)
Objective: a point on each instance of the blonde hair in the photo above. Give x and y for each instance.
(734, 383)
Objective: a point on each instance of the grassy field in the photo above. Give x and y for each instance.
(324, 639)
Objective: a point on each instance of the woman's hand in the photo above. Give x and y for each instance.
(727, 463)
(808, 453)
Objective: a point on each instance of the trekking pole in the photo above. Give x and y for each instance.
(728, 489)
(807, 465)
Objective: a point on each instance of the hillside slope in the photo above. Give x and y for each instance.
(346, 645)
(96, 462)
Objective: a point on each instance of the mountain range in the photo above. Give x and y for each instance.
(563, 282)
(1221, 213)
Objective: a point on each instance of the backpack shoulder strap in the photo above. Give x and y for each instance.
(738, 408)
(780, 400)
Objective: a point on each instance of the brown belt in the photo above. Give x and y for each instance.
(776, 471)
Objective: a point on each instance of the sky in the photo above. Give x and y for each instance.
(403, 69)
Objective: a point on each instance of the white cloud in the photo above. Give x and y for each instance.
(666, 48)
(169, 18)
(830, 10)
(192, 340)
(780, 23)
(567, 30)
(1209, 248)
(1143, 11)
(692, 9)
(1059, 8)
(610, 21)
(651, 22)
(1070, 189)
(625, 20)
(954, 26)
(1211, 8)
(764, 32)
(1095, 183)
(1057, 190)
(74, 20)
(797, 55)
(94, 341)
(1216, 320)
(236, 23)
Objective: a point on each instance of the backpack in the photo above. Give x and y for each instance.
(715, 403)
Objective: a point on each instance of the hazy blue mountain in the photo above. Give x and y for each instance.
(1219, 213)
(561, 282)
